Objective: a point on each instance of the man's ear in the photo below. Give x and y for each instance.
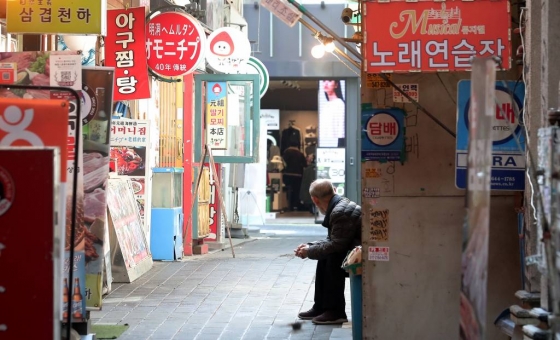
(314, 199)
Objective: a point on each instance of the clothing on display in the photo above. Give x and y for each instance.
(292, 175)
(290, 136)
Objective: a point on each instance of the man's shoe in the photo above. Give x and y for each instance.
(310, 314)
(330, 318)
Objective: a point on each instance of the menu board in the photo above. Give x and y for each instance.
(129, 152)
(126, 222)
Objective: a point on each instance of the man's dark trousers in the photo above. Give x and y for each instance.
(329, 284)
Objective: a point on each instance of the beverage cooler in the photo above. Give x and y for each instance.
(166, 241)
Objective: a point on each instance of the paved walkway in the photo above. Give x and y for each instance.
(256, 295)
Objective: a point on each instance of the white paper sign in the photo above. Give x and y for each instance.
(66, 70)
(412, 90)
(378, 253)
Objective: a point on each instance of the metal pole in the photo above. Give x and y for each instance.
(328, 30)
(336, 49)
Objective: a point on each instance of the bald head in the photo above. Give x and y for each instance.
(321, 189)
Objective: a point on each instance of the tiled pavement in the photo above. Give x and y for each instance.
(255, 295)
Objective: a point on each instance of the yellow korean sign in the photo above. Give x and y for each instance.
(375, 81)
(55, 16)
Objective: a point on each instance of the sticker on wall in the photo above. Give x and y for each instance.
(7, 191)
(371, 193)
(410, 89)
(228, 50)
(373, 173)
(379, 225)
(378, 253)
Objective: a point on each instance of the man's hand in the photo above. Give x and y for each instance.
(298, 248)
(302, 252)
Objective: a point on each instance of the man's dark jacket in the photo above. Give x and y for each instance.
(343, 220)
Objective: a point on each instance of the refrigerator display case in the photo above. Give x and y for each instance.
(166, 241)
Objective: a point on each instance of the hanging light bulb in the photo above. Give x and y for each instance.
(80, 42)
(329, 46)
(318, 51)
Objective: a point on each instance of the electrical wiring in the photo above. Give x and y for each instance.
(527, 138)
(446, 89)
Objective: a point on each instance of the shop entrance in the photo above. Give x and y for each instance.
(306, 140)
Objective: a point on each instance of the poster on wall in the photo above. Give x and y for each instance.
(508, 137)
(383, 134)
(331, 166)
(332, 113)
(129, 156)
(97, 103)
(36, 68)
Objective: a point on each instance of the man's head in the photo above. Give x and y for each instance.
(321, 192)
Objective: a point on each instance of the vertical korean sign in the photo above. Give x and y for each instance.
(55, 16)
(125, 50)
(474, 278)
(174, 43)
(434, 36)
(129, 157)
(216, 115)
(97, 104)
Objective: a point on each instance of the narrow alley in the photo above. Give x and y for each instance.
(256, 295)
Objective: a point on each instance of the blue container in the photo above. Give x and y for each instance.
(356, 299)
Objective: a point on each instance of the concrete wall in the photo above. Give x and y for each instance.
(416, 294)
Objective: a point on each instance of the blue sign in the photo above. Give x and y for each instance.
(382, 134)
(508, 138)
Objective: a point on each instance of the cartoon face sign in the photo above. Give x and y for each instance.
(222, 45)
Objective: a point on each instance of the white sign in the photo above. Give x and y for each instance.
(283, 11)
(411, 90)
(331, 165)
(271, 119)
(66, 71)
(378, 253)
(228, 50)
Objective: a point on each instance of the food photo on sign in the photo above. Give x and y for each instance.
(128, 160)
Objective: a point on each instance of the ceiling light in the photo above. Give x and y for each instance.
(318, 51)
(329, 47)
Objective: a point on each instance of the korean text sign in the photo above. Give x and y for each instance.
(216, 115)
(382, 134)
(175, 44)
(508, 141)
(125, 50)
(55, 16)
(435, 36)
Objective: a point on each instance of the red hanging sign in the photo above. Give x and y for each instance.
(175, 44)
(435, 36)
(125, 50)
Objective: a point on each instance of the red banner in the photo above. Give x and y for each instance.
(125, 49)
(435, 36)
(214, 206)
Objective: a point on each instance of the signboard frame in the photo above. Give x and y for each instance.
(427, 36)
